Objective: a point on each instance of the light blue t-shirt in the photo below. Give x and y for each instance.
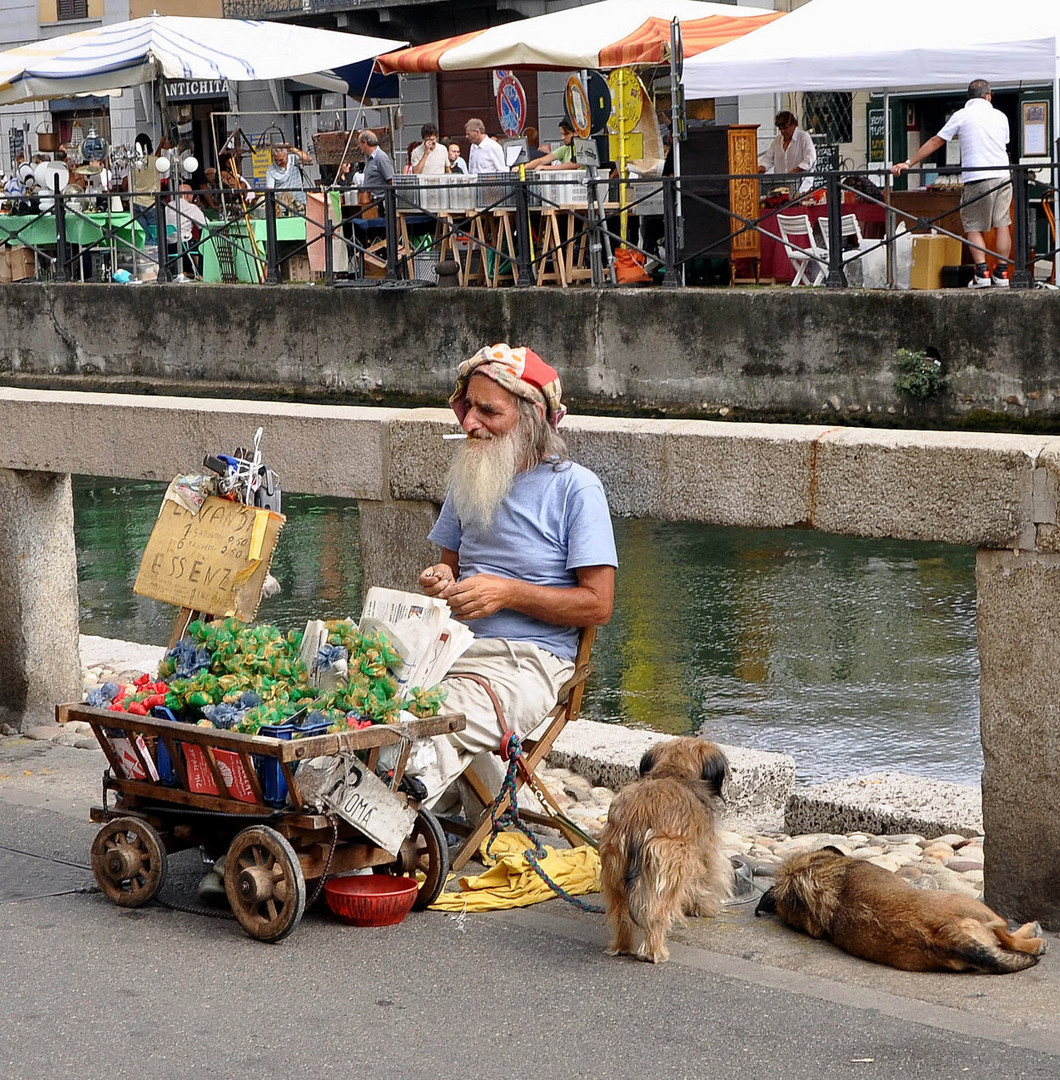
(554, 520)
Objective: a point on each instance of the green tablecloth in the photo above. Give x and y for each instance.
(248, 258)
(38, 230)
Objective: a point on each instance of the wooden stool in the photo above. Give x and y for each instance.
(579, 237)
(552, 252)
(503, 239)
(475, 272)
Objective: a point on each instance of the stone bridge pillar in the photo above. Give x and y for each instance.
(1018, 620)
(40, 665)
(394, 544)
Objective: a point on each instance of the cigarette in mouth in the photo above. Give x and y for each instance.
(455, 435)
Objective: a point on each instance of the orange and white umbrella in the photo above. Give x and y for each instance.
(608, 34)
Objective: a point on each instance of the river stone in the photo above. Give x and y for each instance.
(886, 802)
(608, 755)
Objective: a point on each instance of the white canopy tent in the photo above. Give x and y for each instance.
(903, 44)
(173, 47)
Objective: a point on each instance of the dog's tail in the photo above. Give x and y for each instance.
(655, 879)
(992, 960)
(634, 873)
(768, 904)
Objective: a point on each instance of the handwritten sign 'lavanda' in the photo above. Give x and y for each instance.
(214, 561)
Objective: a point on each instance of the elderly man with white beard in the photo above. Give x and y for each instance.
(527, 558)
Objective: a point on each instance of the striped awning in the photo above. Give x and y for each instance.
(174, 47)
(611, 33)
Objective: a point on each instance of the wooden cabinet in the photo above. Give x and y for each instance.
(712, 194)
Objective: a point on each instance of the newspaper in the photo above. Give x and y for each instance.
(421, 631)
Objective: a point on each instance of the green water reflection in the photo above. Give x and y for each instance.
(851, 655)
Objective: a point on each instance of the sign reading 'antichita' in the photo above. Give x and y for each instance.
(186, 89)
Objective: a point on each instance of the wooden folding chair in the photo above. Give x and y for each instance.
(568, 706)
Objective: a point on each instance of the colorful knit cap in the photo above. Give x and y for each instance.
(519, 370)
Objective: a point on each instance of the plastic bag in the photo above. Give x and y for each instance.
(629, 267)
(874, 263)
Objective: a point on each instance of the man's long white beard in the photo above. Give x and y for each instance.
(482, 475)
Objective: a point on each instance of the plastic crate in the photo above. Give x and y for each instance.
(425, 266)
(496, 190)
(461, 191)
(560, 187)
(434, 193)
(273, 782)
(406, 191)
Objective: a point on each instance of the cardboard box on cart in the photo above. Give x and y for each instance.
(931, 252)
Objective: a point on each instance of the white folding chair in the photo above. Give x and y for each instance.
(809, 261)
(851, 228)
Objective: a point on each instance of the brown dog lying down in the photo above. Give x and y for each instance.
(660, 857)
(869, 912)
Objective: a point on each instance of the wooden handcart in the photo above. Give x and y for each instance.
(179, 786)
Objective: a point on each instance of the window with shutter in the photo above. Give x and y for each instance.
(72, 9)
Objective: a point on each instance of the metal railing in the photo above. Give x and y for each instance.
(556, 227)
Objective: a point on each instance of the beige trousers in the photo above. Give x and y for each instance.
(526, 680)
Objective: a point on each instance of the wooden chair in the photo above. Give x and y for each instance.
(568, 706)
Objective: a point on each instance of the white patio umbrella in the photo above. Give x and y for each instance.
(174, 47)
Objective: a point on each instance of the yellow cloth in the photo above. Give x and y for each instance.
(512, 882)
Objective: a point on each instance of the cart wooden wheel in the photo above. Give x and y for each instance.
(264, 883)
(129, 861)
(424, 852)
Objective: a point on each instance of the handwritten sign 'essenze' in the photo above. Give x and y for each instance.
(214, 561)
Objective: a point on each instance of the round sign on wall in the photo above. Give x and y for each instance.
(511, 105)
(578, 107)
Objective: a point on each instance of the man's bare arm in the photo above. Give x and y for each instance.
(589, 603)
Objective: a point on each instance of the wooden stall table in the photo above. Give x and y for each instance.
(774, 255)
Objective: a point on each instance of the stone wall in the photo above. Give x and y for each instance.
(997, 493)
(775, 354)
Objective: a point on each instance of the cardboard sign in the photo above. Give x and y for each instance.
(214, 561)
(358, 796)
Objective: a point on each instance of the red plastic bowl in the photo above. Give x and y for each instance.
(371, 900)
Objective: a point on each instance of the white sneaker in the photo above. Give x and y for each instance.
(1001, 281)
(983, 282)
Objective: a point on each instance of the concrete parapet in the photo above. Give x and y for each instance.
(1018, 618)
(609, 755)
(335, 450)
(957, 487)
(886, 803)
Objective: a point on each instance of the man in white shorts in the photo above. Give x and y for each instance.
(527, 556)
(987, 199)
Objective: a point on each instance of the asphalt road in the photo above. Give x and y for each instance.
(90, 990)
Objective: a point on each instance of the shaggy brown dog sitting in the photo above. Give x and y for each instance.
(869, 912)
(659, 852)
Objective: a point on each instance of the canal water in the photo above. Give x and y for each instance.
(851, 655)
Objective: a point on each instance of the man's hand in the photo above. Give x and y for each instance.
(478, 596)
(437, 580)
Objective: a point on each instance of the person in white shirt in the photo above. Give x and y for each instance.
(792, 151)
(182, 217)
(987, 197)
(430, 157)
(486, 155)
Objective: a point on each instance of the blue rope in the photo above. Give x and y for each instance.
(500, 820)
